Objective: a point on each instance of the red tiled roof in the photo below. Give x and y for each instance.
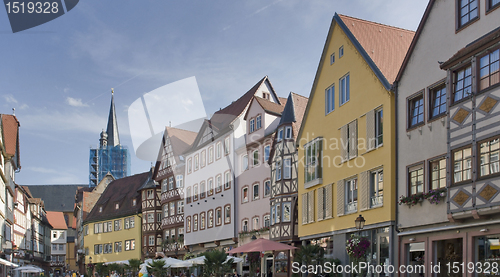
(10, 126)
(300, 104)
(386, 45)
(56, 219)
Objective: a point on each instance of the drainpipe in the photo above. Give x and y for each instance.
(393, 233)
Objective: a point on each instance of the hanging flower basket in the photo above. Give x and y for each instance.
(357, 247)
(411, 200)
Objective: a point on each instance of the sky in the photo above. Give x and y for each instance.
(58, 76)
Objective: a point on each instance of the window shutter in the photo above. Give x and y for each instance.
(353, 139)
(364, 191)
(304, 208)
(370, 129)
(310, 206)
(328, 200)
(320, 204)
(343, 143)
(340, 197)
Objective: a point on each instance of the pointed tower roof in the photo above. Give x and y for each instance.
(112, 130)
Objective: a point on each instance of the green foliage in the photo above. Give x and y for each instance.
(100, 268)
(214, 264)
(310, 254)
(133, 265)
(254, 260)
(157, 268)
(188, 256)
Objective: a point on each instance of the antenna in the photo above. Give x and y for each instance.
(13, 111)
(112, 91)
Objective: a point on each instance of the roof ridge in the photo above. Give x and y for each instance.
(376, 23)
(305, 97)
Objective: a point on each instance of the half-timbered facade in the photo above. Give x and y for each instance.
(447, 126)
(151, 219)
(211, 165)
(169, 172)
(284, 182)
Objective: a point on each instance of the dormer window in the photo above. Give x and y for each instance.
(117, 206)
(100, 209)
(150, 194)
(134, 202)
(252, 125)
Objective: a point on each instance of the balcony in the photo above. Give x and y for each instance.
(377, 201)
(172, 220)
(351, 207)
(170, 195)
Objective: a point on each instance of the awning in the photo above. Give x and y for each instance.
(261, 245)
(7, 263)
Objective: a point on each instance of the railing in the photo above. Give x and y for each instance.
(377, 200)
(351, 207)
(170, 220)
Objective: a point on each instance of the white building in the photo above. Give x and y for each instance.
(58, 242)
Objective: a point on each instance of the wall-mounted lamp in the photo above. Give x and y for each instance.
(484, 230)
(412, 239)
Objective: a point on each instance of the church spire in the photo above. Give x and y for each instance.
(112, 130)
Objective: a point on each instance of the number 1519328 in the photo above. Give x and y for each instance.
(32, 7)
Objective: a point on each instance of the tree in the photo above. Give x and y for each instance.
(254, 260)
(133, 265)
(214, 263)
(157, 268)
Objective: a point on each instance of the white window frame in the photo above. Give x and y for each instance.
(252, 125)
(287, 168)
(244, 162)
(269, 190)
(280, 134)
(376, 198)
(344, 89)
(351, 198)
(330, 99)
(258, 122)
(341, 51)
(332, 58)
(254, 197)
(288, 132)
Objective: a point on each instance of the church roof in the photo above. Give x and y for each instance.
(112, 129)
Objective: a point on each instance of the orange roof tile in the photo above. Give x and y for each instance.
(56, 219)
(386, 45)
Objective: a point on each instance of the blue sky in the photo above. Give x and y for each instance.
(59, 75)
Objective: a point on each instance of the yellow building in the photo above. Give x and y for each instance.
(112, 230)
(346, 152)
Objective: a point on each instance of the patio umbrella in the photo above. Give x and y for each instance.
(116, 262)
(29, 269)
(235, 259)
(175, 263)
(261, 245)
(197, 260)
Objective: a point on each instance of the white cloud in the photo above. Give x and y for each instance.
(10, 98)
(75, 102)
(56, 176)
(24, 107)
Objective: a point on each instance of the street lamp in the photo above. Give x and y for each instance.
(360, 222)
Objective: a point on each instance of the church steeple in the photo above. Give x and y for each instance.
(112, 130)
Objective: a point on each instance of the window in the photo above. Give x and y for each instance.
(267, 221)
(287, 168)
(210, 186)
(491, 4)
(97, 229)
(462, 165)
(107, 227)
(196, 162)
(227, 180)
(172, 208)
(313, 160)
(255, 223)
(97, 248)
(190, 165)
(379, 127)
(252, 125)
(108, 248)
(100, 209)
(218, 152)
(462, 84)
(341, 51)
(202, 221)
(227, 214)
(377, 188)
(171, 183)
(255, 191)
(202, 190)
(332, 58)
(330, 99)
(324, 202)
(278, 213)
(267, 151)
(258, 122)
(416, 180)
(195, 222)
(117, 206)
(288, 132)
(278, 170)
(226, 146)
(489, 158)
(151, 240)
(211, 154)
(244, 225)
(245, 194)
(180, 207)
(416, 111)
(118, 246)
(344, 89)
(438, 100)
(218, 216)
(54, 246)
(267, 188)
(467, 11)
(438, 174)
(280, 135)
(179, 181)
(188, 224)
(210, 222)
(151, 217)
(195, 192)
(118, 225)
(164, 185)
(351, 198)
(244, 162)
(165, 210)
(188, 195)
(489, 73)
(255, 158)
(134, 202)
(203, 158)
(287, 211)
(218, 184)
